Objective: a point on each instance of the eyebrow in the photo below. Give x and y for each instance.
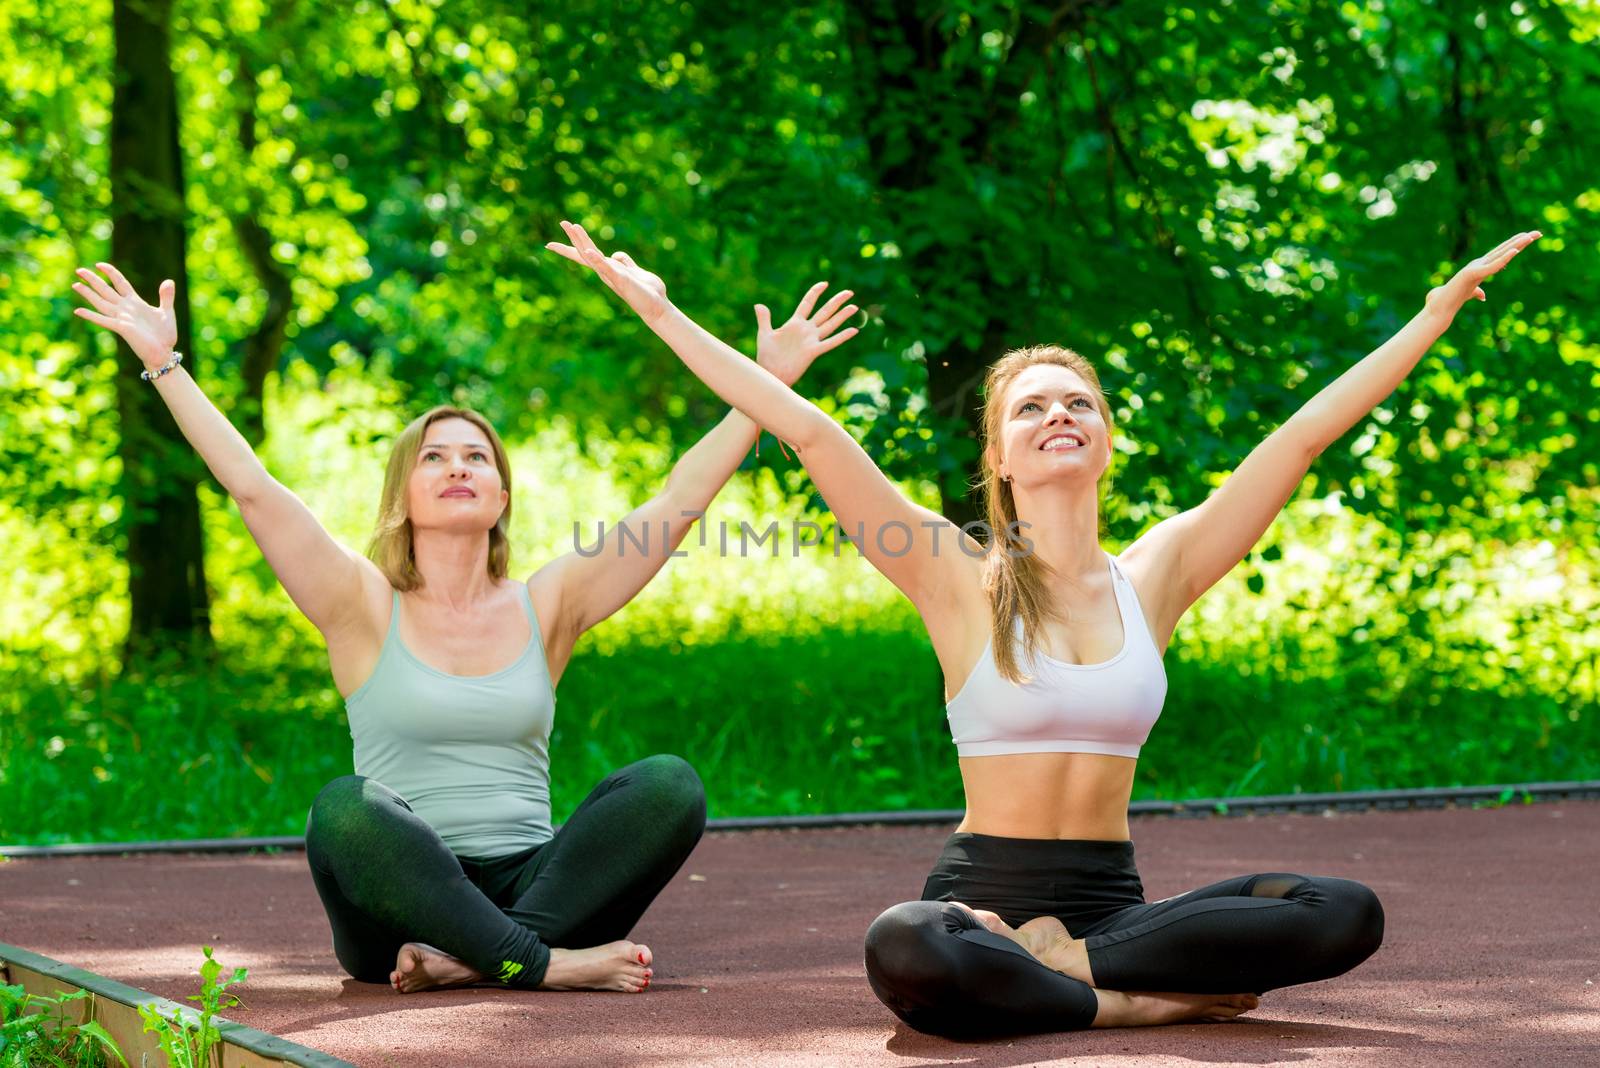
(1041, 396)
(469, 445)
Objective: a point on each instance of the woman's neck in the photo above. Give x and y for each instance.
(1063, 522)
(454, 566)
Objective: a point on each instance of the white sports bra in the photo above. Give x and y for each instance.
(1105, 708)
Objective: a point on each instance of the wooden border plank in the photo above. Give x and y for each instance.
(115, 1006)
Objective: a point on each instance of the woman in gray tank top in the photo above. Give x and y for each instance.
(437, 862)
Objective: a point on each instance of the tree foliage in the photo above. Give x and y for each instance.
(1223, 204)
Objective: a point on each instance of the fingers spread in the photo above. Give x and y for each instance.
(836, 340)
(809, 301)
(117, 279)
(97, 283)
(833, 303)
(838, 320)
(99, 302)
(95, 318)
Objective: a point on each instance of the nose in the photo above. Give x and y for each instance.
(459, 469)
(1057, 413)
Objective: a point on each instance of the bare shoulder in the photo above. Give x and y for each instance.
(1154, 565)
(954, 606)
(544, 590)
(955, 581)
(376, 598)
(354, 647)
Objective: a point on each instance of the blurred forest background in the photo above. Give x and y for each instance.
(1224, 205)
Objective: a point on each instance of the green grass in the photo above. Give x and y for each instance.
(846, 721)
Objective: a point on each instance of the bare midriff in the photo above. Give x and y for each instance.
(1048, 795)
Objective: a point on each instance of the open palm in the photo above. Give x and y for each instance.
(150, 331)
(789, 349)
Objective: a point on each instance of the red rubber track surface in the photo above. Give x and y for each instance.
(1491, 957)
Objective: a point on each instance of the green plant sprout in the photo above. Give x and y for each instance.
(192, 1045)
(30, 1035)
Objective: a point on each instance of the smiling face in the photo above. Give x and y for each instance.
(1051, 426)
(456, 483)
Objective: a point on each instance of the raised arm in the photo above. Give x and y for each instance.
(1204, 543)
(323, 578)
(590, 585)
(917, 549)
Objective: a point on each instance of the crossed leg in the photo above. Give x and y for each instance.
(949, 969)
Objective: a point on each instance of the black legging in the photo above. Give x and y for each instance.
(942, 972)
(386, 878)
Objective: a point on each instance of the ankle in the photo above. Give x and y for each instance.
(1115, 1009)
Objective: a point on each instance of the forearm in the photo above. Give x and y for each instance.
(1347, 400)
(222, 447)
(701, 472)
(739, 381)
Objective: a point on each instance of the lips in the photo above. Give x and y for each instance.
(1050, 446)
(458, 493)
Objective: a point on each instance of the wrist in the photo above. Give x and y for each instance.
(160, 370)
(787, 379)
(667, 316)
(154, 359)
(1437, 314)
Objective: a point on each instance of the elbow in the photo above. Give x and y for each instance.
(682, 500)
(1305, 436)
(249, 491)
(808, 431)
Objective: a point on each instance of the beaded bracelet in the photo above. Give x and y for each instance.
(151, 376)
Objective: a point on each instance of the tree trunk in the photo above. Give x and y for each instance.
(161, 510)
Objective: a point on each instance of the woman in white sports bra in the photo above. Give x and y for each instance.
(1033, 918)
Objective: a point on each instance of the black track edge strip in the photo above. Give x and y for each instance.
(257, 1042)
(1354, 801)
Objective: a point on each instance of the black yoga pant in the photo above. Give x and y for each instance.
(386, 878)
(942, 972)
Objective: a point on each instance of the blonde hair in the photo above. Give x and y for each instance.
(391, 546)
(1014, 579)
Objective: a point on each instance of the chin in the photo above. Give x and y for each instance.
(1067, 475)
(456, 524)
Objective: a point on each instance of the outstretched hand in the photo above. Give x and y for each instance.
(645, 293)
(149, 331)
(1467, 283)
(789, 349)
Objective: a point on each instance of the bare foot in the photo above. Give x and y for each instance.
(621, 966)
(1046, 938)
(991, 920)
(421, 967)
(1144, 1010)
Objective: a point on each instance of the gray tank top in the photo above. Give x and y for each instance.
(469, 753)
